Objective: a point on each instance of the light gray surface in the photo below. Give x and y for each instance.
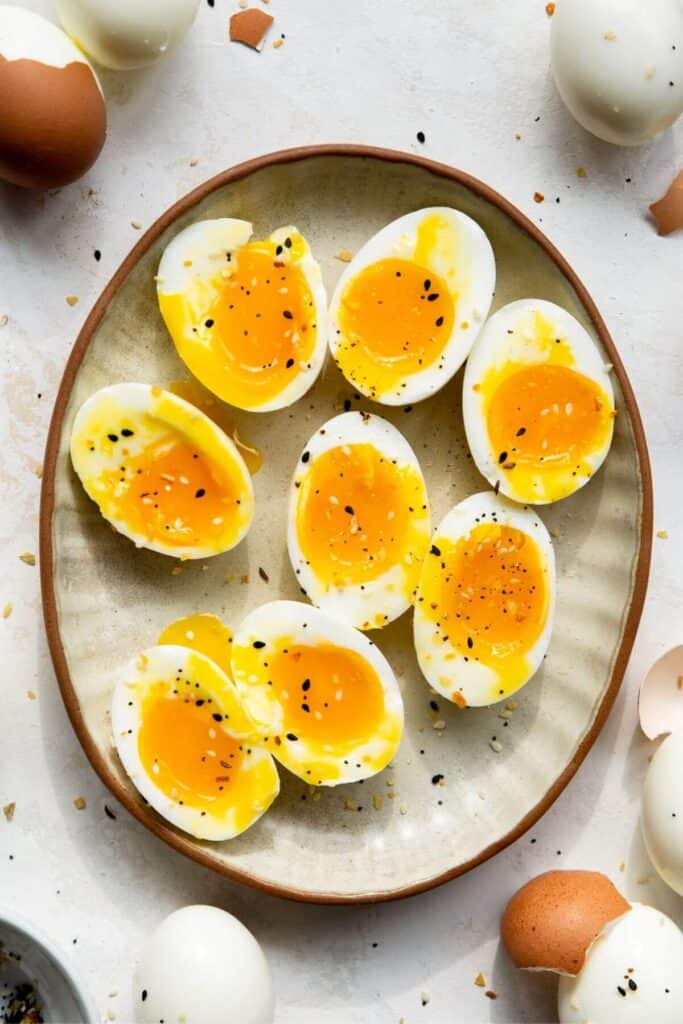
(469, 76)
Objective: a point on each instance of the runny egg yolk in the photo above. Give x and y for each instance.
(395, 318)
(254, 326)
(488, 595)
(329, 694)
(544, 418)
(547, 417)
(186, 753)
(171, 493)
(356, 513)
(203, 633)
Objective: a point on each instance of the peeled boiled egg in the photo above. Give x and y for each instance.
(52, 115)
(410, 303)
(618, 66)
(248, 318)
(359, 521)
(633, 974)
(163, 473)
(662, 814)
(537, 402)
(485, 601)
(322, 695)
(188, 746)
(551, 922)
(122, 34)
(202, 966)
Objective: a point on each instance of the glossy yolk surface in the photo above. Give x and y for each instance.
(356, 515)
(203, 633)
(488, 595)
(329, 694)
(395, 318)
(193, 392)
(546, 416)
(171, 493)
(186, 753)
(256, 329)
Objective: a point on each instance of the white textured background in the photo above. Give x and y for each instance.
(470, 75)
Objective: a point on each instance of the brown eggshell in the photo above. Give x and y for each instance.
(552, 920)
(52, 122)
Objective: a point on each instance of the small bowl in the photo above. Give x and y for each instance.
(30, 956)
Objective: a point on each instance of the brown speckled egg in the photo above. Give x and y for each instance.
(52, 113)
(552, 920)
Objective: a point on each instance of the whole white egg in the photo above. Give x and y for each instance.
(202, 966)
(633, 974)
(618, 65)
(125, 34)
(662, 816)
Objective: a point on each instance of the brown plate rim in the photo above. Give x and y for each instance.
(186, 845)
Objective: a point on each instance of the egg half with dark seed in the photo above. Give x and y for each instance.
(188, 746)
(247, 317)
(322, 696)
(359, 522)
(163, 473)
(410, 304)
(485, 603)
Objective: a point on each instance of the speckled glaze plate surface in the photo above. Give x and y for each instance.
(104, 600)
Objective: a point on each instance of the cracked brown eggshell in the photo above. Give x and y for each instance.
(52, 112)
(550, 923)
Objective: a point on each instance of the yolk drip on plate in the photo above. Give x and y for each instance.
(488, 595)
(169, 492)
(252, 325)
(183, 749)
(203, 633)
(329, 695)
(356, 515)
(396, 316)
(193, 392)
(545, 419)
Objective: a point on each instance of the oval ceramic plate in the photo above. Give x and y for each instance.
(395, 834)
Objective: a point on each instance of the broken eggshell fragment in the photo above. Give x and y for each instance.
(660, 702)
(551, 922)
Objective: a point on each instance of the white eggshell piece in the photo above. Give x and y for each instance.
(660, 702)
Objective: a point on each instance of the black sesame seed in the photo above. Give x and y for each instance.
(143, 996)
(305, 457)
(288, 241)
(199, 493)
(632, 985)
(348, 509)
(289, 364)
(436, 779)
(287, 314)
(433, 705)
(278, 251)
(209, 322)
(306, 685)
(217, 718)
(292, 737)
(503, 457)
(420, 136)
(439, 321)
(98, 255)
(258, 644)
(434, 550)
(432, 296)
(427, 285)
(621, 991)
(110, 814)
(113, 437)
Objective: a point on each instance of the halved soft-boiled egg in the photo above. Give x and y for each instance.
(188, 746)
(323, 696)
(247, 317)
(359, 522)
(485, 604)
(410, 303)
(163, 474)
(538, 402)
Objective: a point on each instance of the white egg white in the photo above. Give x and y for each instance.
(167, 663)
(266, 628)
(149, 414)
(617, 66)
(662, 817)
(192, 266)
(509, 336)
(458, 677)
(374, 602)
(633, 974)
(464, 259)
